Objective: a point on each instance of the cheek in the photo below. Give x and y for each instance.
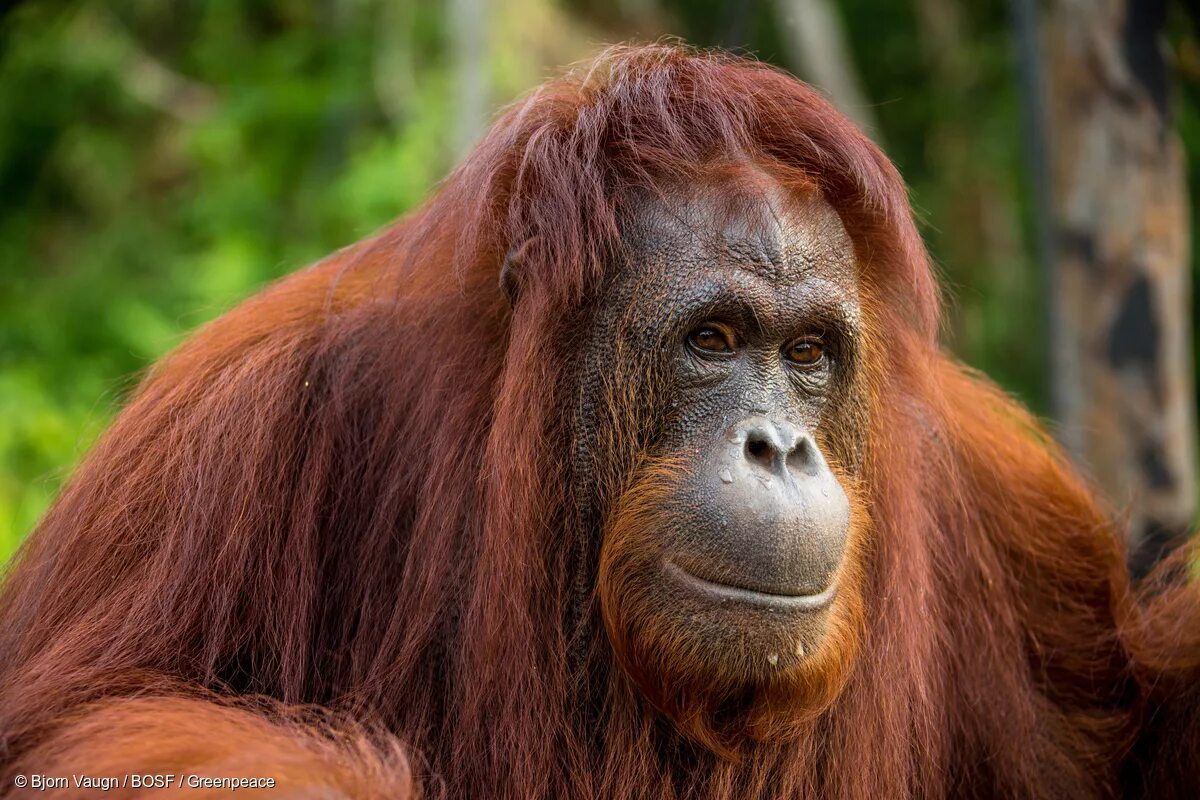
(633, 597)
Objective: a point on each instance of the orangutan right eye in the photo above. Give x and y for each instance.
(711, 339)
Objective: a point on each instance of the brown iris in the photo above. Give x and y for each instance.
(711, 339)
(805, 353)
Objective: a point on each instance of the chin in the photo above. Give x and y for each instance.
(756, 633)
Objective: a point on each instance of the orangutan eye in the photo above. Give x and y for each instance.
(711, 339)
(805, 352)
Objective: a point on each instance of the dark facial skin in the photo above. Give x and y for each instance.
(742, 316)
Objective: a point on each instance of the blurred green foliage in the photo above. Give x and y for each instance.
(136, 203)
(161, 161)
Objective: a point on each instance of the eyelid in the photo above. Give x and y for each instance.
(726, 331)
(811, 337)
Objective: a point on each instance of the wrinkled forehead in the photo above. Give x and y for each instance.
(742, 219)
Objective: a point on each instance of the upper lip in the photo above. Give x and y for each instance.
(724, 591)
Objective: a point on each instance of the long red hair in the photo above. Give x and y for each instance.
(347, 492)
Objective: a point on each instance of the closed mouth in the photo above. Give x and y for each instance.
(726, 592)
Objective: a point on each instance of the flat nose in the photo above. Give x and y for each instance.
(776, 447)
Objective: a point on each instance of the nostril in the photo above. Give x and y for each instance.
(759, 449)
(805, 457)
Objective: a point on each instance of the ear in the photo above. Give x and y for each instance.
(511, 273)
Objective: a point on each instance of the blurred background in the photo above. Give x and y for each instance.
(160, 161)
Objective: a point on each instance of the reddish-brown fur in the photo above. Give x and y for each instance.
(349, 492)
(179, 745)
(1165, 641)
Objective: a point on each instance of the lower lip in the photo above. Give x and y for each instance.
(724, 592)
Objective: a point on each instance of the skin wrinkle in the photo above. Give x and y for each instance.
(796, 277)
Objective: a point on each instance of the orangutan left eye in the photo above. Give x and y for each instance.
(805, 353)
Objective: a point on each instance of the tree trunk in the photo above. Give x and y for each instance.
(817, 50)
(468, 34)
(1122, 378)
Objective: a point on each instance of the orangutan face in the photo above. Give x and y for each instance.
(728, 558)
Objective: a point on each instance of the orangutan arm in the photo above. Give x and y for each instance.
(165, 747)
